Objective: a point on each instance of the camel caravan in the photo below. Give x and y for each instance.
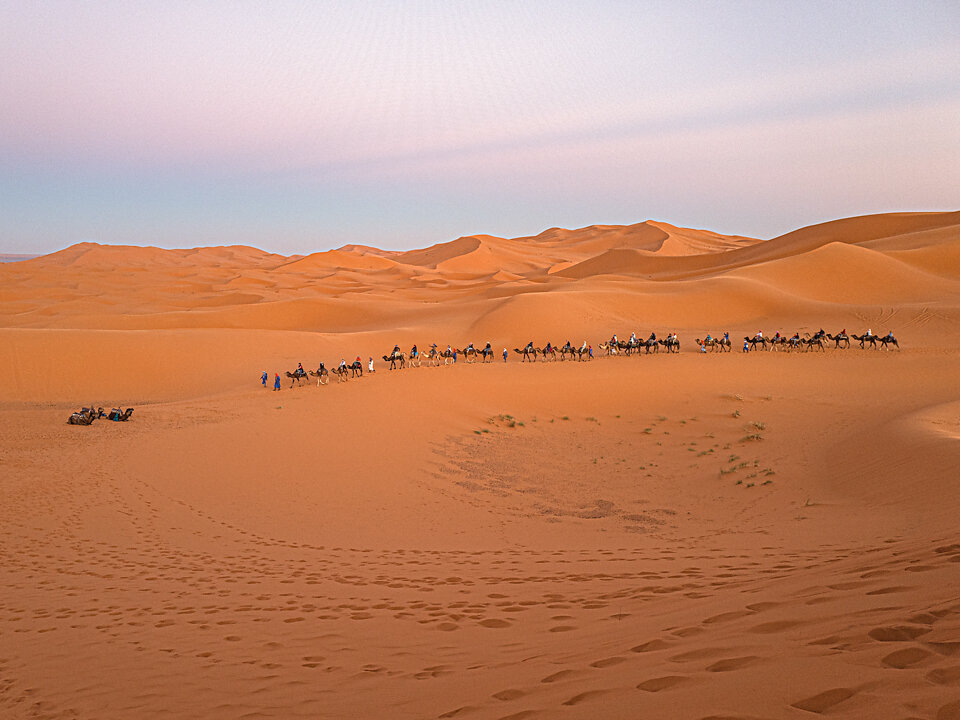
(530, 353)
(819, 340)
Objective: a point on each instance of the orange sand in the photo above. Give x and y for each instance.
(770, 535)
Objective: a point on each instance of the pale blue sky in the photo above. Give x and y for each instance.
(301, 126)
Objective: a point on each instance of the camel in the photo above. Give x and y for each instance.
(567, 349)
(356, 368)
(529, 353)
(447, 356)
(394, 358)
(85, 416)
(757, 339)
(716, 344)
(650, 345)
(608, 347)
(841, 340)
(432, 357)
(549, 353)
(872, 339)
(671, 344)
(812, 342)
(486, 355)
(342, 372)
(414, 360)
(118, 415)
(296, 376)
(322, 376)
(469, 353)
(887, 340)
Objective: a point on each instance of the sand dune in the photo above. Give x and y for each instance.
(692, 536)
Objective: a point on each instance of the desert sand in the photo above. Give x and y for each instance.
(762, 535)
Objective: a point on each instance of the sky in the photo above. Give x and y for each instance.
(302, 126)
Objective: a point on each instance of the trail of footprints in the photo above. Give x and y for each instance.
(63, 576)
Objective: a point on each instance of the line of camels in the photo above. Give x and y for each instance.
(400, 360)
(818, 341)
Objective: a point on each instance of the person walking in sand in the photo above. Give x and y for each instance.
(504, 354)
(276, 382)
(370, 366)
(263, 378)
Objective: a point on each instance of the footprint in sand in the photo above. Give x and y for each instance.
(950, 711)
(908, 657)
(651, 646)
(822, 702)
(945, 676)
(584, 696)
(558, 676)
(897, 633)
(733, 663)
(494, 623)
(663, 683)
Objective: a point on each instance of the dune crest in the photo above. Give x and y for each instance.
(79, 286)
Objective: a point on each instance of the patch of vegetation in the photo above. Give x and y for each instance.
(736, 413)
(750, 484)
(766, 482)
(661, 418)
(592, 419)
(754, 436)
(647, 431)
(733, 458)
